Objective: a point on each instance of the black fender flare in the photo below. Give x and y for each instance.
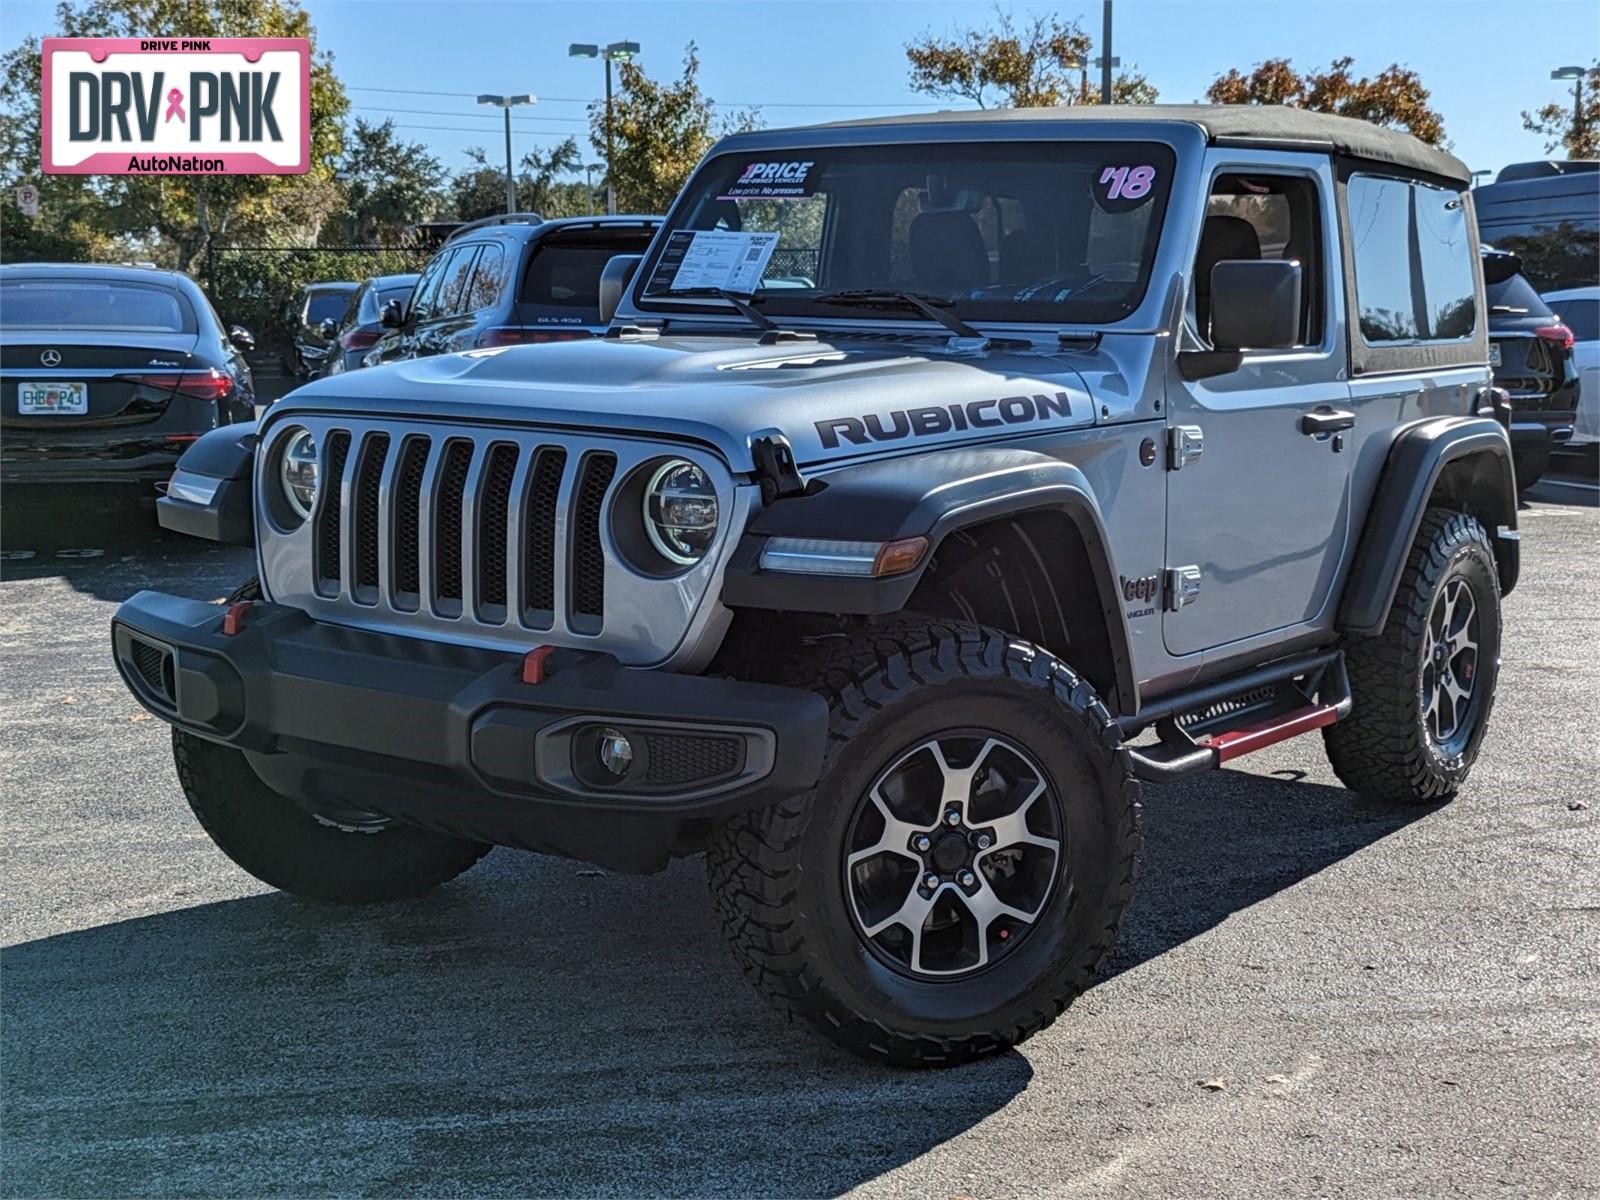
(211, 494)
(929, 495)
(1417, 458)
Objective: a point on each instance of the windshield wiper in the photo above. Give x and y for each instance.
(742, 303)
(890, 298)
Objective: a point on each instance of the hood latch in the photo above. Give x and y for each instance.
(776, 471)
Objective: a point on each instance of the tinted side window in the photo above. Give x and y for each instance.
(428, 286)
(454, 287)
(488, 281)
(1413, 261)
(1582, 317)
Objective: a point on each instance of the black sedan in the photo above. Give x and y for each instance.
(107, 374)
(1531, 354)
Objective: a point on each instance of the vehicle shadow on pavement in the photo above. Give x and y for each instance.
(538, 1028)
(1222, 841)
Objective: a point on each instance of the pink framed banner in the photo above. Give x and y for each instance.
(176, 106)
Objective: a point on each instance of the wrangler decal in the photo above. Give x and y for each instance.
(920, 422)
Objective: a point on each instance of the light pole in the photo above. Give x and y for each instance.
(1477, 173)
(1105, 62)
(1576, 75)
(615, 52)
(506, 104)
(588, 180)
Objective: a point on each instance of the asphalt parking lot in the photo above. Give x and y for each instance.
(1385, 1002)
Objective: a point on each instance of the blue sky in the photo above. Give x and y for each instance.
(800, 61)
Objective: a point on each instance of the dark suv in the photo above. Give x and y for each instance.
(1530, 351)
(509, 279)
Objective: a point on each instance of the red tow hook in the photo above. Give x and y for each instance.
(533, 670)
(233, 619)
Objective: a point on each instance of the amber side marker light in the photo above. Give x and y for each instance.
(831, 556)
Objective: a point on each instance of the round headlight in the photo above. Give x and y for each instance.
(297, 468)
(680, 512)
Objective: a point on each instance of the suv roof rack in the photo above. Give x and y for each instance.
(517, 218)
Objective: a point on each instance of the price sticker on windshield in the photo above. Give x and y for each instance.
(1120, 186)
(724, 259)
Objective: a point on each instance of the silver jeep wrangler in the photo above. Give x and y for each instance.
(939, 481)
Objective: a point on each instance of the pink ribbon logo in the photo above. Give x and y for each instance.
(175, 105)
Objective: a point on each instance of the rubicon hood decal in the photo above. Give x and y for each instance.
(920, 422)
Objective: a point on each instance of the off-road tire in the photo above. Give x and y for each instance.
(1383, 749)
(776, 875)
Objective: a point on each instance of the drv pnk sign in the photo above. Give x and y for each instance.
(176, 106)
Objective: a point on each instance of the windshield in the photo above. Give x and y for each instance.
(323, 305)
(1060, 232)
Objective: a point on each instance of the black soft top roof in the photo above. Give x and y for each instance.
(1270, 125)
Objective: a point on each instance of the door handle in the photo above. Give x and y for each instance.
(1323, 419)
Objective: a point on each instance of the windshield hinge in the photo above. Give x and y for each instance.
(776, 471)
(632, 332)
(1078, 341)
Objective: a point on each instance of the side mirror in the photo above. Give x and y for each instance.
(241, 338)
(328, 328)
(392, 315)
(614, 279)
(1255, 304)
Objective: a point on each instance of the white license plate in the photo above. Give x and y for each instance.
(52, 399)
(1494, 354)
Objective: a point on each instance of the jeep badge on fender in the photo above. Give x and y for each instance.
(848, 561)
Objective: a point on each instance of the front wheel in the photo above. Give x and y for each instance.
(282, 844)
(948, 886)
(1423, 688)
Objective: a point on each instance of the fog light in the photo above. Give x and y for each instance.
(615, 751)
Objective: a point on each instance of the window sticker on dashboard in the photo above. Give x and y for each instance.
(1120, 186)
(712, 258)
(771, 181)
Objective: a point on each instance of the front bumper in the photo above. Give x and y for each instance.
(451, 737)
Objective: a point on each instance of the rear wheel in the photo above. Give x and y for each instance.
(947, 888)
(1424, 687)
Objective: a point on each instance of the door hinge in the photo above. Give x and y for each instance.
(1183, 587)
(1185, 444)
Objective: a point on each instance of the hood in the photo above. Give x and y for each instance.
(833, 399)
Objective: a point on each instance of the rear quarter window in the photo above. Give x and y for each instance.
(1413, 261)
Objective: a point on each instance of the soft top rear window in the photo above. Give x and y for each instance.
(1055, 231)
(107, 304)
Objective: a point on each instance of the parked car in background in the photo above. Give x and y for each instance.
(1531, 353)
(109, 373)
(1579, 310)
(509, 279)
(1548, 214)
(305, 343)
(354, 333)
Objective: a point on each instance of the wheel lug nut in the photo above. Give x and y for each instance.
(922, 842)
(984, 841)
(968, 879)
(930, 881)
(953, 817)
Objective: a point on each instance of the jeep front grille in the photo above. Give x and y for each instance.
(485, 535)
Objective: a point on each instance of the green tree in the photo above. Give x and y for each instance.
(1394, 97)
(1578, 133)
(480, 191)
(1042, 64)
(659, 131)
(173, 218)
(389, 183)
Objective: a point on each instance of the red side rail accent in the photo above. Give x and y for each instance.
(1237, 742)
